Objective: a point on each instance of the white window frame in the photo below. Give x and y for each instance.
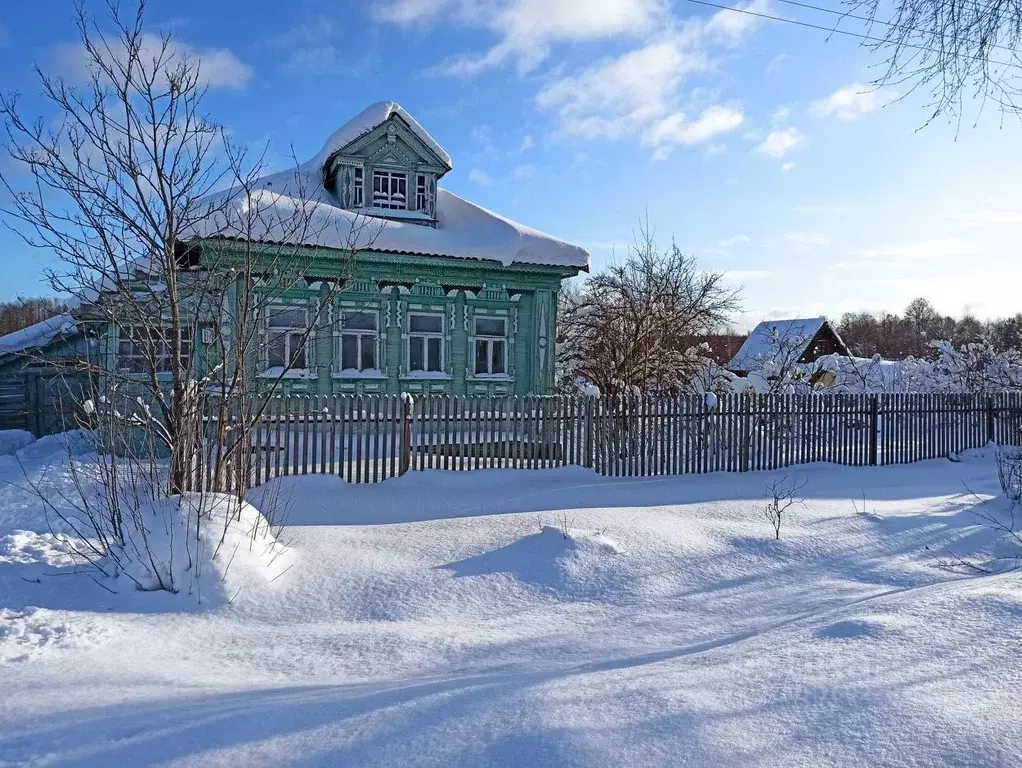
(489, 340)
(360, 334)
(287, 331)
(420, 192)
(390, 199)
(358, 188)
(133, 356)
(425, 336)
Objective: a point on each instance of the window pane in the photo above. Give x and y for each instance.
(487, 326)
(349, 352)
(434, 354)
(425, 323)
(481, 357)
(358, 174)
(275, 351)
(281, 317)
(368, 352)
(497, 365)
(415, 354)
(360, 321)
(297, 350)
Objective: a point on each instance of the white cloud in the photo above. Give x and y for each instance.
(788, 167)
(218, 67)
(852, 102)
(988, 218)
(777, 62)
(522, 172)
(730, 242)
(952, 246)
(730, 27)
(808, 240)
(780, 114)
(526, 145)
(636, 94)
(675, 129)
(620, 97)
(779, 142)
(526, 28)
(480, 177)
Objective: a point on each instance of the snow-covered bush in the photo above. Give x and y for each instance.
(969, 369)
(194, 543)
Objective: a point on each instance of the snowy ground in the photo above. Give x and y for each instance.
(432, 620)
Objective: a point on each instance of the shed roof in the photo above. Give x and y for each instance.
(38, 335)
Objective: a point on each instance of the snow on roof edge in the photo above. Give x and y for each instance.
(367, 120)
(38, 335)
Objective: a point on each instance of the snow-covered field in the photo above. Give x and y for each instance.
(446, 619)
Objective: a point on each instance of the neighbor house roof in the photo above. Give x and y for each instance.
(773, 337)
(39, 335)
(464, 230)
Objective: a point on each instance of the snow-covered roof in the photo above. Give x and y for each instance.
(772, 337)
(38, 335)
(463, 229)
(369, 118)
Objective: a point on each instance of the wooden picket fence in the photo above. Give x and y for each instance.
(369, 439)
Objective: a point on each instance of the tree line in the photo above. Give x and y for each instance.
(23, 312)
(912, 333)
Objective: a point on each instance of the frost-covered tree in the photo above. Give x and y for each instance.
(629, 328)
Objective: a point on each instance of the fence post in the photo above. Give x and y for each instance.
(874, 428)
(991, 430)
(407, 417)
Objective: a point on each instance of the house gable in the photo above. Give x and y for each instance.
(389, 171)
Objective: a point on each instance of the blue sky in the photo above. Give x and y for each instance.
(760, 147)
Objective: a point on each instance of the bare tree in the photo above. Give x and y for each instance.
(629, 328)
(169, 235)
(954, 50)
(783, 494)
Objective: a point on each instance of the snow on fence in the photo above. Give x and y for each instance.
(372, 438)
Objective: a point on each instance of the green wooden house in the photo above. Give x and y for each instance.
(439, 295)
(444, 296)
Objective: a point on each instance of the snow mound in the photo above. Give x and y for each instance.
(13, 440)
(557, 558)
(209, 546)
(851, 629)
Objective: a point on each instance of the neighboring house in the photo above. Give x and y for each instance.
(34, 393)
(446, 297)
(781, 344)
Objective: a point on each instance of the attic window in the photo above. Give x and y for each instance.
(359, 189)
(390, 190)
(420, 192)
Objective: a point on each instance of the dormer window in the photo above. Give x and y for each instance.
(390, 190)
